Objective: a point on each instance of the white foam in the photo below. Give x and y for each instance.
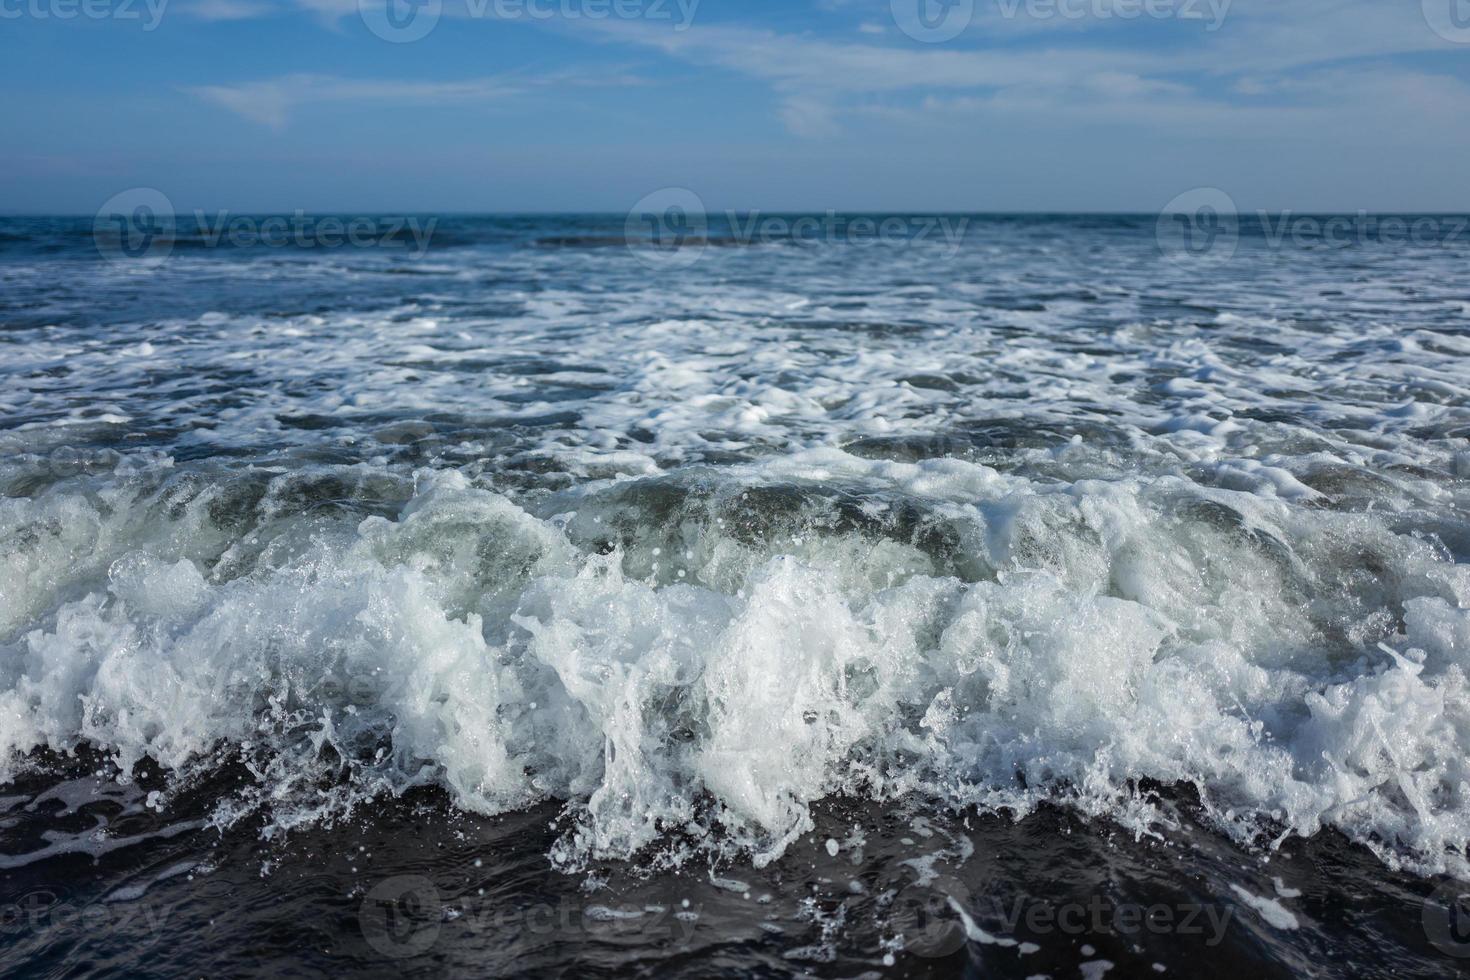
(1270, 909)
(1082, 637)
(641, 573)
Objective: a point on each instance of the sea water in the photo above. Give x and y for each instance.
(791, 575)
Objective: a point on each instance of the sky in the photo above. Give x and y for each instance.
(589, 105)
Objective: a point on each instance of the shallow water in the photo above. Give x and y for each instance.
(1042, 569)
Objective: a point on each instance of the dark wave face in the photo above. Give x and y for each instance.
(770, 594)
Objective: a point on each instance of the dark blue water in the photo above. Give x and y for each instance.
(698, 593)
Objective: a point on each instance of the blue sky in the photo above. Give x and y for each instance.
(803, 104)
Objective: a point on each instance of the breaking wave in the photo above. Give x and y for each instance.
(690, 660)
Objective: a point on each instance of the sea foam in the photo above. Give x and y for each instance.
(690, 661)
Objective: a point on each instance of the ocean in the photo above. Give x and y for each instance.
(779, 595)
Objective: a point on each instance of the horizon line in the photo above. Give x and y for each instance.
(862, 212)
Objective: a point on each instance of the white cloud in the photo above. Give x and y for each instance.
(271, 101)
(1271, 65)
(330, 10)
(817, 80)
(217, 10)
(1267, 47)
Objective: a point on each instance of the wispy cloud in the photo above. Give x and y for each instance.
(227, 10)
(817, 80)
(270, 102)
(1270, 50)
(1269, 62)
